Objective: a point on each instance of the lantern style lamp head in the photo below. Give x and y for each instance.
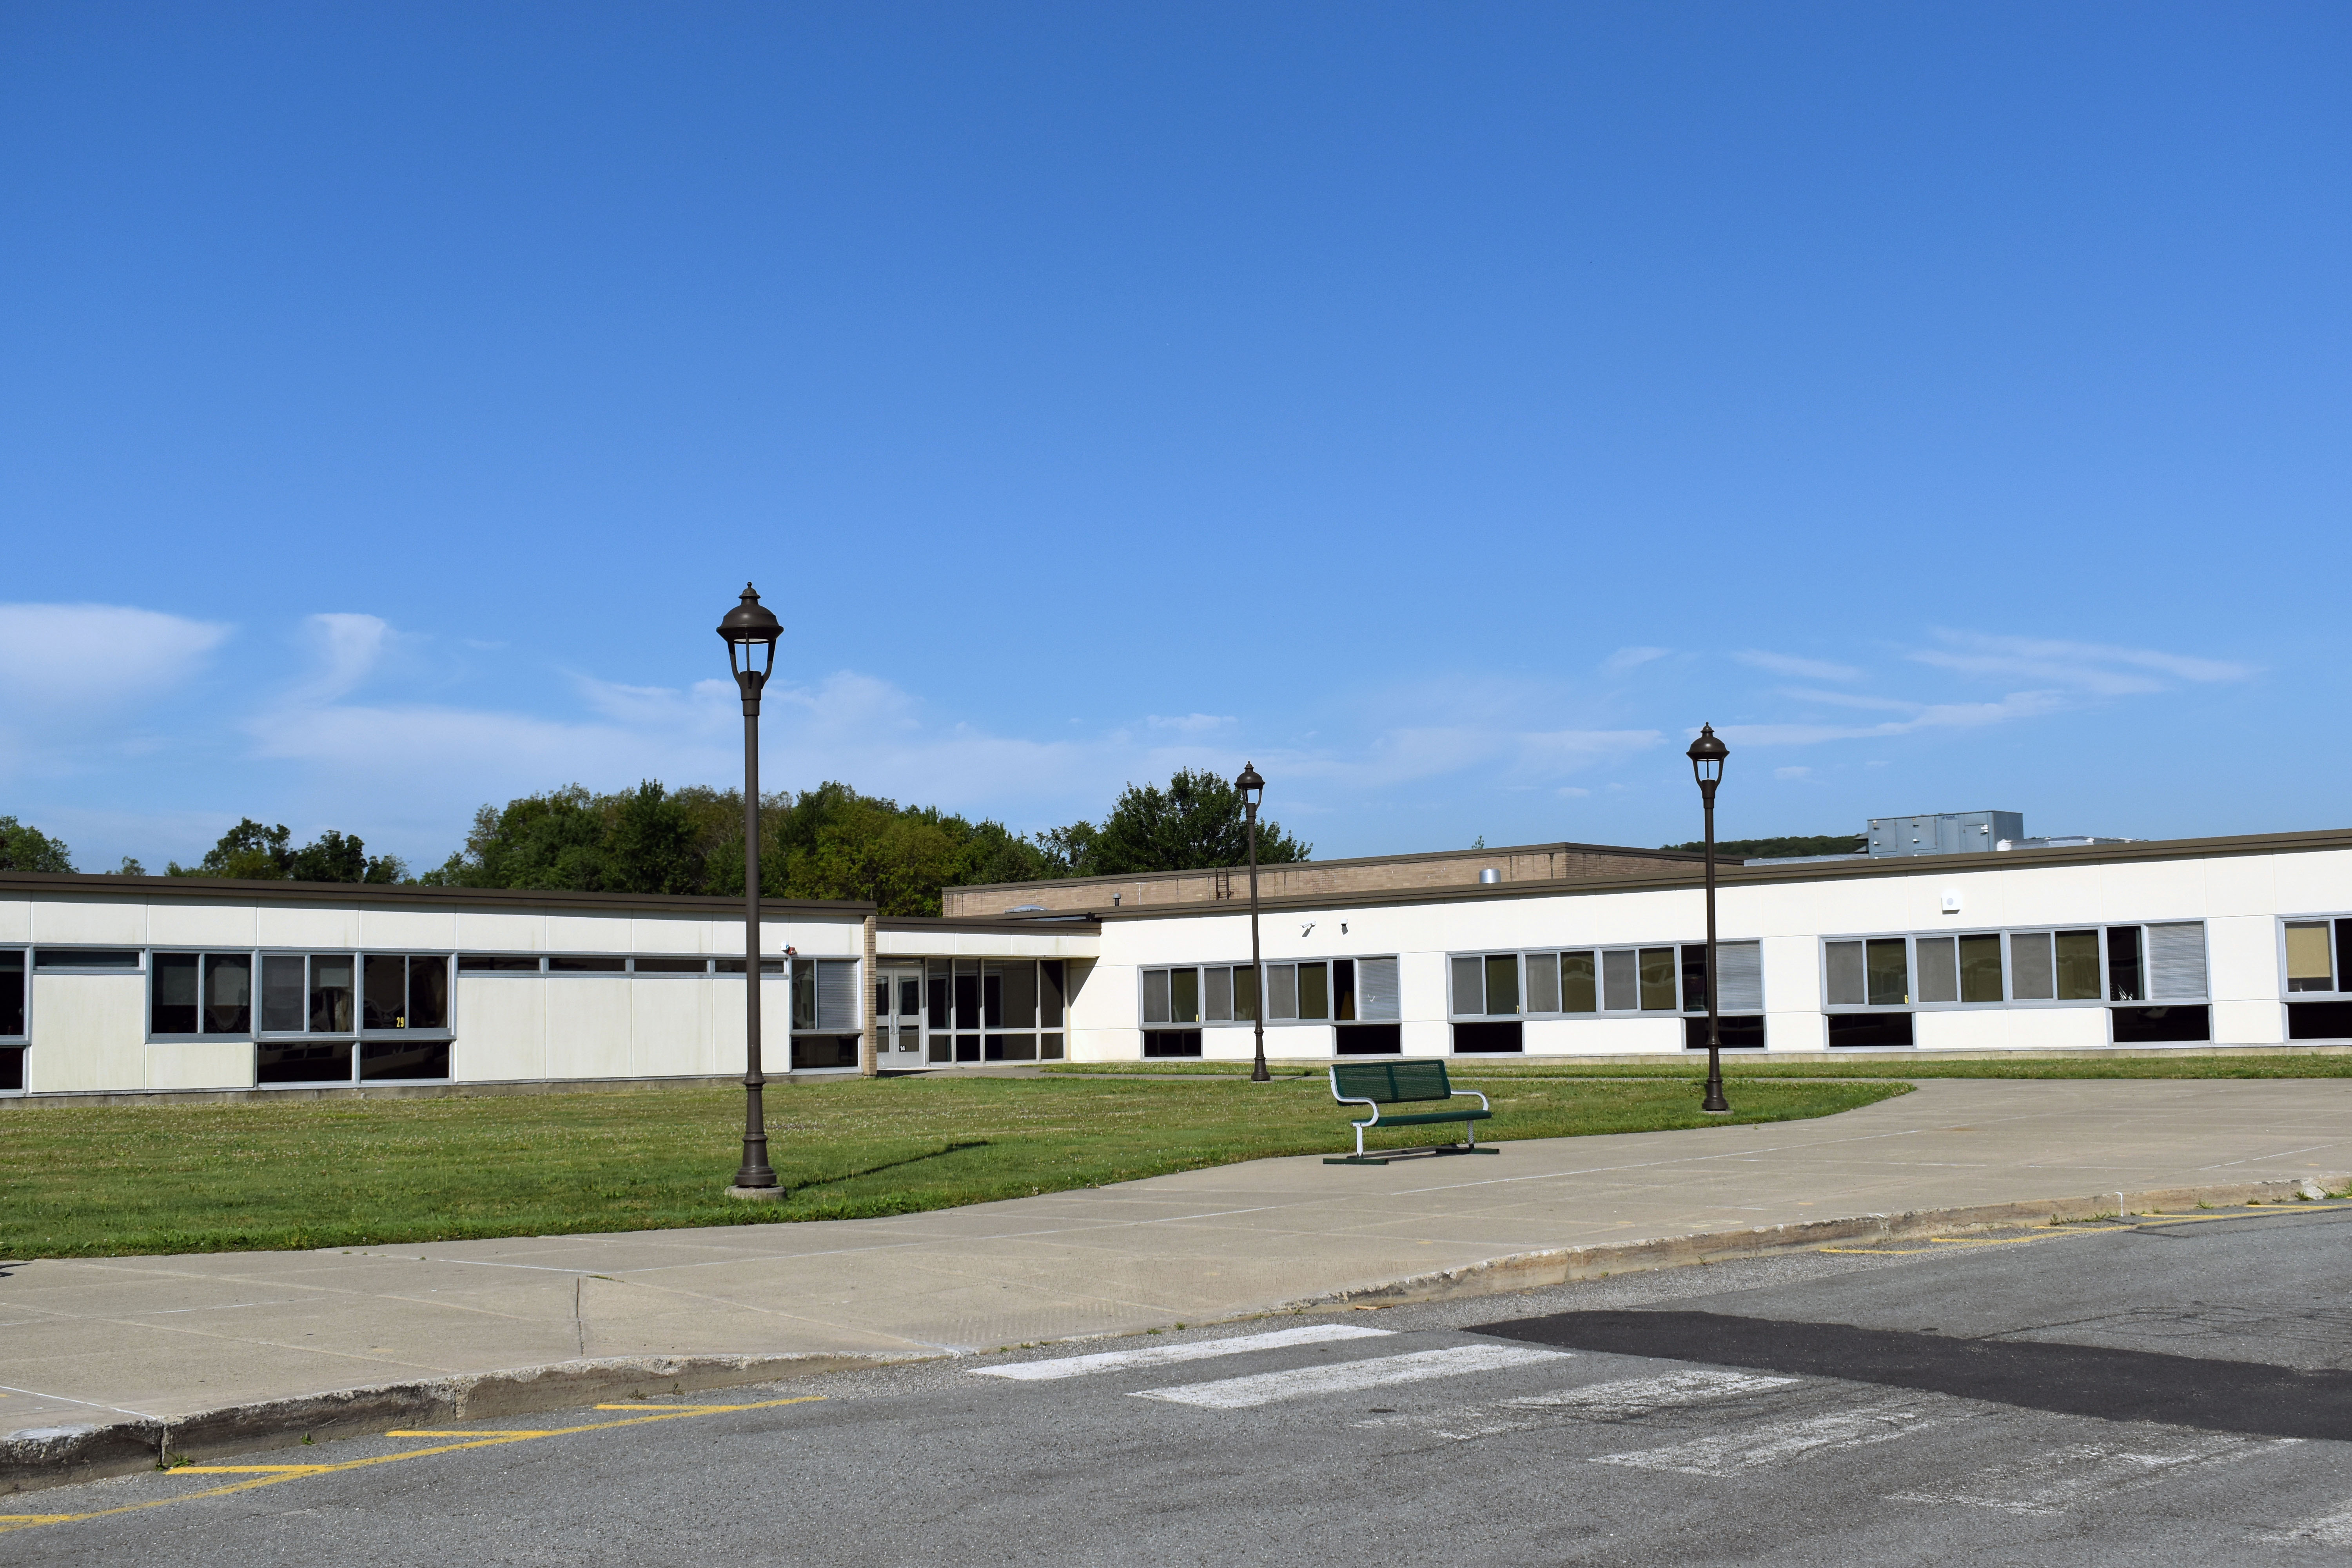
(1253, 787)
(1707, 754)
(750, 630)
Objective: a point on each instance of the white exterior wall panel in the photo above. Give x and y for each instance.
(2242, 958)
(2260, 1023)
(670, 1024)
(2244, 884)
(2010, 1028)
(408, 930)
(88, 924)
(588, 1025)
(204, 925)
(88, 1032)
(200, 1064)
(302, 927)
(500, 932)
(501, 1028)
(2320, 880)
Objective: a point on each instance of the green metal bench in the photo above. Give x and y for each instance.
(1402, 1081)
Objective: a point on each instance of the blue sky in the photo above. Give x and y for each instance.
(1447, 407)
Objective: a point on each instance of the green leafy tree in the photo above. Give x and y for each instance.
(652, 845)
(1773, 848)
(23, 848)
(1194, 824)
(256, 852)
(329, 858)
(249, 851)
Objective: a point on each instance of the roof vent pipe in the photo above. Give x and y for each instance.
(1489, 874)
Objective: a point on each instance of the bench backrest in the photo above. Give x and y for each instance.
(1389, 1081)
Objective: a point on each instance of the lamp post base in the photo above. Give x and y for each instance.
(756, 1195)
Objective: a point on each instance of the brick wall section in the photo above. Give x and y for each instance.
(1310, 879)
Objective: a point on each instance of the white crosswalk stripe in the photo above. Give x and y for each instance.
(1197, 1349)
(2331, 1529)
(2049, 1483)
(1340, 1377)
(1625, 1399)
(1779, 1442)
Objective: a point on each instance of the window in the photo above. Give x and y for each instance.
(1586, 980)
(392, 1009)
(675, 966)
(1172, 1042)
(330, 993)
(1323, 990)
(2317, 992)
(2154, 972)
(512, 963)
(825, 995)
(207, 994)
(585, 963)
(83, 960)
(12, 1019)
(12, 995)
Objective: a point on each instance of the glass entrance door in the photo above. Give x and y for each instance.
(898, 1015)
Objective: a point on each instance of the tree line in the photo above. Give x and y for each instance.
(830, 842)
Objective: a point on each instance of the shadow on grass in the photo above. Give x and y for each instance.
(940, 1152)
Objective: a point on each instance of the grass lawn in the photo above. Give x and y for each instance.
(111, 1180)
(2312, 1064)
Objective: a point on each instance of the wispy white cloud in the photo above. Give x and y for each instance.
(1630, 658)
(1798, 668)
(1793, 772)
(2099, 669)
(75, 656)
(1851, 700)
(1192, 723)
(1925, 716)
(345, 650)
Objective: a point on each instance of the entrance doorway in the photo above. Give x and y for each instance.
(898, 1015)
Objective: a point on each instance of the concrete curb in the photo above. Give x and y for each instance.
(57, 1456)
(1531, 1270)
(46, 1457)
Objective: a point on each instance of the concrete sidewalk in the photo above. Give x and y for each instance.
(99, 1356)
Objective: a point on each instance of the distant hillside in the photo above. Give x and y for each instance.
(1773, 848)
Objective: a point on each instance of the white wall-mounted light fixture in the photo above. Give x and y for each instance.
(1951, 902)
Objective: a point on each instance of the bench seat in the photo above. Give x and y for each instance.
(1401, 1082)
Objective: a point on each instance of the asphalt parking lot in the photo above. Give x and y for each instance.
(2176, 1389)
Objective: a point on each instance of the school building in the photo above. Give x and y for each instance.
(138, 984)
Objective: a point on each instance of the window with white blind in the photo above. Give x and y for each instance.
(1322, 990)
(2151, 977)
(825, 995)
(1664, 978)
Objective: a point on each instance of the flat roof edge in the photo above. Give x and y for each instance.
(220, 889)
(1740, 875)
(1692, 856)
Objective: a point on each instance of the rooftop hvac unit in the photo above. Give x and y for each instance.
(1945, 833)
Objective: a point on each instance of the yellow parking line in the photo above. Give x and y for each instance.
(487, 1432)
(274, 1475)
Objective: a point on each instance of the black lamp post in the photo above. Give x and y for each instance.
(1707, 754)
(750, 630)
(1253, 790)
